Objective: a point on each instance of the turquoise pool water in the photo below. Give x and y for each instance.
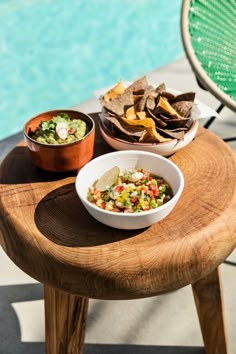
(54, 54)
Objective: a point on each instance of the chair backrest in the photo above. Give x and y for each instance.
(208, 29)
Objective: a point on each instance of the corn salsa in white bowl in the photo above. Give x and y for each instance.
(129, 189)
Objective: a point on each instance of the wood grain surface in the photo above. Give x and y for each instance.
(49, 235)
(65, 322)
(208, 296)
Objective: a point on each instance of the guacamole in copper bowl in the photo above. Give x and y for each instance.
(61, 129)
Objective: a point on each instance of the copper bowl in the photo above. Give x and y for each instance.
(61, 157)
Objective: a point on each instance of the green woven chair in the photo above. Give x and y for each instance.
(208, 29)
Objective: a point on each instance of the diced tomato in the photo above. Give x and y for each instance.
(134, 200)
(97, 193)
(150, 193)
(155, 192)
(143, 188)
(119, 189)
(103, 205)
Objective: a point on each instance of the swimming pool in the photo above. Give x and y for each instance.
(54, 54)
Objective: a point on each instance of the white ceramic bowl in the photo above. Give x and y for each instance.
(129, 159)
(165, 149)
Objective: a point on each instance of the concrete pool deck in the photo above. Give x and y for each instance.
(166, 324)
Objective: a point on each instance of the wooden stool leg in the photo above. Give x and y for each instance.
(65, 322)
(209, 303)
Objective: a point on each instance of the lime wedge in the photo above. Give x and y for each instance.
(107, 179)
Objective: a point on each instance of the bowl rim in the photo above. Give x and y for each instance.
(174, 199)
(63, 110)
(172, 141)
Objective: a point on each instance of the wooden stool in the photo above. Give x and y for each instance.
(48, 234)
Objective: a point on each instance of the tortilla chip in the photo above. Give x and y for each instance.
(120, 104)
(127, 129)
(179, 135)
(141, 104)
(131, 113)
(169, 96)
(187, 96)
(147, 122)
(173, 123)
(159, 122)
(183, 108)
(142, 115)
(117, 90)
(161, 89)
(150, 135)
(189, 123)
(164, 106)
(151, 103)
(137, 97)
(138, 85)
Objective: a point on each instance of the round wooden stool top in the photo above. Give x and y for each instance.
(47, 232)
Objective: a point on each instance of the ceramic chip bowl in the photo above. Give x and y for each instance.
(164, 149)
